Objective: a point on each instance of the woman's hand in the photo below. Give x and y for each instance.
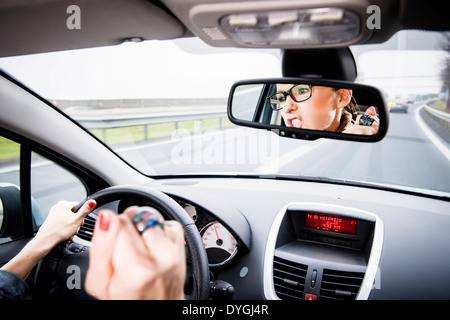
(369, 128)
(127, 265)
(60, 225)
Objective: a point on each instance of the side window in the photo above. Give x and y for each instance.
(9, 190)
(50, 183)
(249, 97)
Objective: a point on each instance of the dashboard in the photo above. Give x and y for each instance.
(283, 239)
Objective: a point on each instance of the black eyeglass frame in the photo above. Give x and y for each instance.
(288, 93)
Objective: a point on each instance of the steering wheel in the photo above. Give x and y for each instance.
(198, 259)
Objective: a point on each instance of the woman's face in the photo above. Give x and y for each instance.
(322, 111)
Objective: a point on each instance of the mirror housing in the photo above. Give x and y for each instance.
(361, 113)
(330, 63)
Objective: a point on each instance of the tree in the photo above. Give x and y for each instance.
(445, 72)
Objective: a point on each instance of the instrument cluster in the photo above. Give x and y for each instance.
(220, 243)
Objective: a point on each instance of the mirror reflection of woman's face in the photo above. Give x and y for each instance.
(322, 111)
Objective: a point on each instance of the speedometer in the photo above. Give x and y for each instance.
(221, 246)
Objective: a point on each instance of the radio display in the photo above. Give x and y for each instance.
(331, 223)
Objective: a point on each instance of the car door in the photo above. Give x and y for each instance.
(32, 180)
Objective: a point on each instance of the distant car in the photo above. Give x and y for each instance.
(411, 100)
(398, 105)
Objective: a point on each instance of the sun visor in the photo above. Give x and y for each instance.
(44, 26)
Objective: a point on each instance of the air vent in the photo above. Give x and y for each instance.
(340, 285)
(87, 229)
(289, 278)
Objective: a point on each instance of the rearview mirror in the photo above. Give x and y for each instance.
(309, 109)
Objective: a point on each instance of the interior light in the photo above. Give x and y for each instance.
(293, 28)
(278, 18)
(327, 14)
(243, 20)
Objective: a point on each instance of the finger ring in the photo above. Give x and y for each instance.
(366, 120)
(147, 217)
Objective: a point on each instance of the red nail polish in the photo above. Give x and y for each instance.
(103, 221)
(91, 204)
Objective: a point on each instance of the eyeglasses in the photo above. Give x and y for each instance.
(298, 93)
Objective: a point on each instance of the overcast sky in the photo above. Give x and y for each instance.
(402, 72)
(157, 69)
(161, 69)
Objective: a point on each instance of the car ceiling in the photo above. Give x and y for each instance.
(40, 26)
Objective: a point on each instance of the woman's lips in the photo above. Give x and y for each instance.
(294, 122)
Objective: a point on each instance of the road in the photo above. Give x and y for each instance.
(405, 157)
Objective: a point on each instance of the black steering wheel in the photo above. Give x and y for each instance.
(198, 261)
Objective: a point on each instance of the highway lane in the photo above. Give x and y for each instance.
(405, 157)
(231, 150)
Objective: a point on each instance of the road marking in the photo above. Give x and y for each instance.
(172, 139)
(431, 135)
(274, 165)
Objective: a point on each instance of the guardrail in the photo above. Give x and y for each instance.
(439, 114)
(130, 120)
(439, 123)
(111, 121)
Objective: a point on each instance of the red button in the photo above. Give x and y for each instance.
(309, 296)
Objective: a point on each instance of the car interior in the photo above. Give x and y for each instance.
(284, 235)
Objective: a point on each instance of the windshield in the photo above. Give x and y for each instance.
(161, 105)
